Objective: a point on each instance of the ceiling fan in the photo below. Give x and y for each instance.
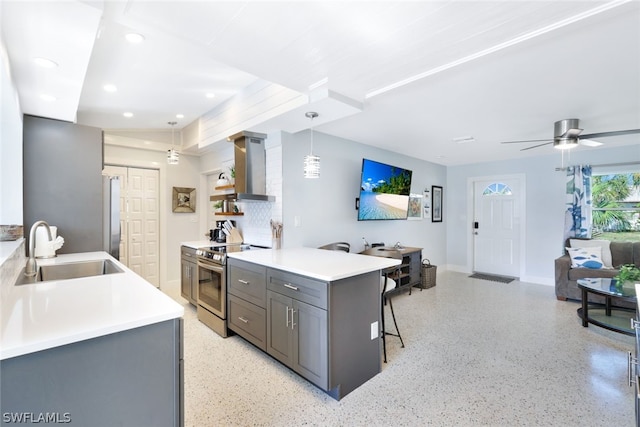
(566, 134)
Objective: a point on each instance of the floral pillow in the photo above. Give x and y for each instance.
(586, 257)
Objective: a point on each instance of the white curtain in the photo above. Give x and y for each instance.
(579, 202)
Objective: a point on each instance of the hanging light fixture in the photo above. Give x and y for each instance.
(173, 157)
(311, 161)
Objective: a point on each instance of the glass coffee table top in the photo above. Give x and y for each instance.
(609, 287)
(607, 315)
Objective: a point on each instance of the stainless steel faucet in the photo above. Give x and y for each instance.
(32, 267)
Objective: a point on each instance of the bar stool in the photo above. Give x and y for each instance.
(388, 284)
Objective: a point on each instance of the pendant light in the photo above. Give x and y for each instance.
(173, 157)
(311, 161)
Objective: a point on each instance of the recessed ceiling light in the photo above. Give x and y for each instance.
(109, 88)
(210, 95)
(45, 63)
(48, 98)
(134, 38)
(179, 116)
(128, 114)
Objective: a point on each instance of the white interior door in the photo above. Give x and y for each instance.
(496, 231)
(140, 242)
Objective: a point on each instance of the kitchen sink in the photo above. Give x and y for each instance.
(71, 270)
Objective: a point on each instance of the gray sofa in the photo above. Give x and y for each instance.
(567, 277)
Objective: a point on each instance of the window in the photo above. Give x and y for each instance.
(497, 189)
(616, 206)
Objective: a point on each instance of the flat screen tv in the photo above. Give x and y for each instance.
(384, 191)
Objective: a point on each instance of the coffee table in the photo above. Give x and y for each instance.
(607, 315)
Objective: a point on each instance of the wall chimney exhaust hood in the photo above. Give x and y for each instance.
(251, 168)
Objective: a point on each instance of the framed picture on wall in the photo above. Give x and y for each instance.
(436, 203)
(184, 199)
(415, 207)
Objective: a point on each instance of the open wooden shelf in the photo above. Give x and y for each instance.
(228, 213)
(225, 187)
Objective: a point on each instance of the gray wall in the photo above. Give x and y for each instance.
(545, 205)
(325, 207)
(63, 181)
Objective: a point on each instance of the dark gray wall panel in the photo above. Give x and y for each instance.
(63, 181)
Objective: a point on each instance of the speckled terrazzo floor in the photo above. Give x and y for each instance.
(478, 353)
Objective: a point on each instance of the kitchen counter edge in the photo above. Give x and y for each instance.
(316, 263)
(133, 302)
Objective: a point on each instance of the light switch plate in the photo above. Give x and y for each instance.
(374, 330)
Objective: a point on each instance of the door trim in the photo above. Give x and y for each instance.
(523, 217)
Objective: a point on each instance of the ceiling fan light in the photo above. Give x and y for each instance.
(565, 143)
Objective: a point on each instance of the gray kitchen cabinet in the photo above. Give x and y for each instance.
(297, 336)
(129, 378)
(246, 301)
(189, 276)
(327, 332)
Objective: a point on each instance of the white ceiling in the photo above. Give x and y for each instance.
(425, 72)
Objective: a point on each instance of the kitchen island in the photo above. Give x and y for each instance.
(100, 350)
(314, 310)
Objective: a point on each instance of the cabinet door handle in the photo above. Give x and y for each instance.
(631, 361)
(243, 320)
(292, 323)
(290, 286)
(244, 282)
(287, 317)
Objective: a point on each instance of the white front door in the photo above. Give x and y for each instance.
(496, 229)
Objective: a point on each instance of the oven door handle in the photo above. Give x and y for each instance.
(209, 266)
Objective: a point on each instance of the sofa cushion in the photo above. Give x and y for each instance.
(605, 246)
(586, 257)
(586, 273)
(622, 253)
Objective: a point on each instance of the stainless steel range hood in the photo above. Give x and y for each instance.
(251, 168)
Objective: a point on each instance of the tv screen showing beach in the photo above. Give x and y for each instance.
(384, 191)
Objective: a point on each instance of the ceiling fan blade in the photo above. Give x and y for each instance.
(530, 140)
(612, 133)
(536, 146)
(589, 142)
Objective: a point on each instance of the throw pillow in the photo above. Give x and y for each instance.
(605, 245)
(586, 257)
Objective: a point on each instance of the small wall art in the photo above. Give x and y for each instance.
(184, 199)
(426, 202)
(436, 203)
(415, 207)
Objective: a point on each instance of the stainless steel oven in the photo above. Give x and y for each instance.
(212, 286)
(212, 291)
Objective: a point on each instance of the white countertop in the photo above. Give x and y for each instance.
(7, 249)
(316, 263)
(196, 244)
(49, 314)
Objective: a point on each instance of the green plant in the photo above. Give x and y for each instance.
(218, 204)
(232, 171)
(628, 273)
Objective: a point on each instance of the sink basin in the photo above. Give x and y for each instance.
(71, 270)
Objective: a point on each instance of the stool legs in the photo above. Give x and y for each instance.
(384, 332)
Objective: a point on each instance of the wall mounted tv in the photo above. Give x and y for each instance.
(384, 191)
